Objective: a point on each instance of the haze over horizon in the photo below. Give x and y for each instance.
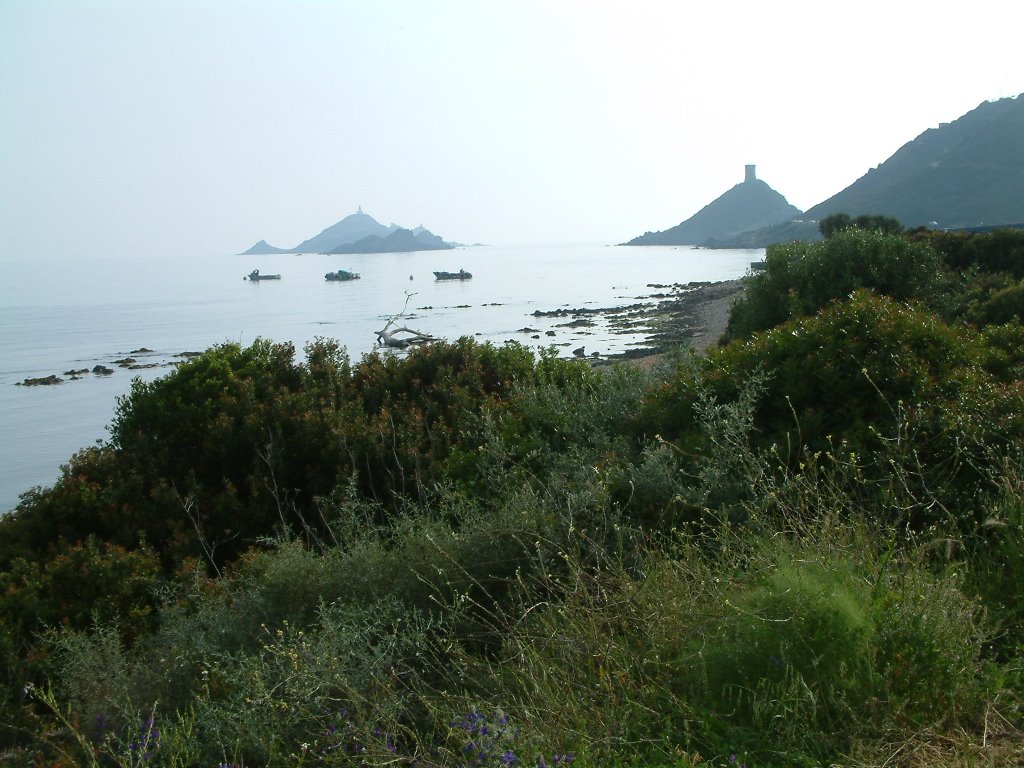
(157, 128)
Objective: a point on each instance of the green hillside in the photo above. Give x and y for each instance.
(967, 173)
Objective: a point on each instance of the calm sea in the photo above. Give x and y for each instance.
(76, 313)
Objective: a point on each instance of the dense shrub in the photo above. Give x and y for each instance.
(996, 557)
(78, 586)
(888, 382)
(1004, 351)
(415, 412)
(1001, 250)
(818, 645)
(838, 222)
(800, 278)
(243, 443)
(83, 502)
(1003, 304)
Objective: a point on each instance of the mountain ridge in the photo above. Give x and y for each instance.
(966, 173)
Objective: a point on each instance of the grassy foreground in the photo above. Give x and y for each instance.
(804, 548)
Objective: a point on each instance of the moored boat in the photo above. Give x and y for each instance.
(460, 275)
(341, 275)
(256, 276)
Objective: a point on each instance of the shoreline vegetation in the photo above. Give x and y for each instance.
(787, 532)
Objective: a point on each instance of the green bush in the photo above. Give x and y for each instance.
(889, 382)
(800, 278)
(80, 585)
(817, 648)
(329, 693)
(995, 555)
(838, 222)
(240, 444)
(1001, 250)
(1004, 305)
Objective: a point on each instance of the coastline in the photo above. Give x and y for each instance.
(694, 315)
(699, 316)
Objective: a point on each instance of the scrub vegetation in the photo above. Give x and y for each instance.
(802, 548)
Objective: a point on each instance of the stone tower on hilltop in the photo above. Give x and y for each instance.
(744, 208)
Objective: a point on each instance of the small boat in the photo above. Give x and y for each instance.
(460, 275)
(341, 275)
(255, 275)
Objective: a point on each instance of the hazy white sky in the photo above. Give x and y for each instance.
(201, 126)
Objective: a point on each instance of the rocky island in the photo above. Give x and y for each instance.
(360, 233)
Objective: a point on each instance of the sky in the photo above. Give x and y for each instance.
(155, 129)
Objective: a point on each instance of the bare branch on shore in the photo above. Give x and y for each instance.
(387, 336)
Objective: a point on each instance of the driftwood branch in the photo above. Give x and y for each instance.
(387, 336)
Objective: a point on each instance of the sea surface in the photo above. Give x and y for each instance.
(79, 312)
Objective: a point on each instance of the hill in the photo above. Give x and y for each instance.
(749, 205)
(399, 241)
(350, 229)
(785, 232)
(262, 248)
(968, 173)
(355, 228)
